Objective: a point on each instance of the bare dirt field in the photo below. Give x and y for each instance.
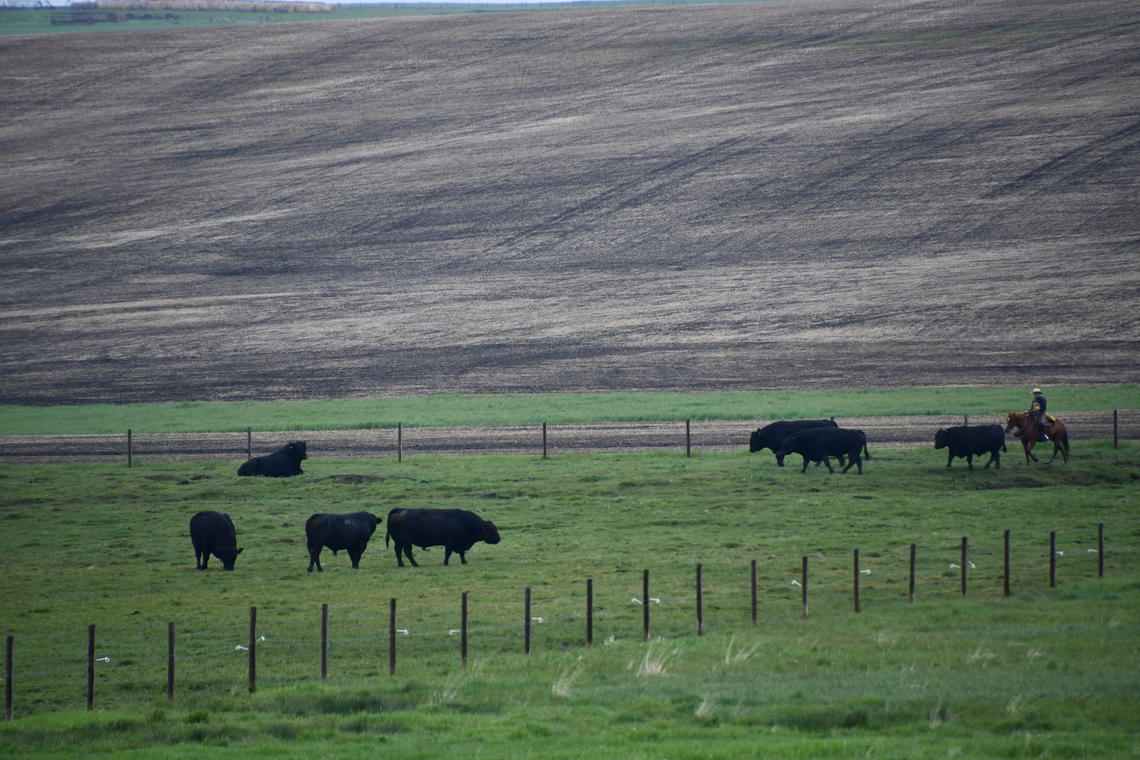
(809, 194)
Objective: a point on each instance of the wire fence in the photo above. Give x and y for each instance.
(543, 439)
(121, 664)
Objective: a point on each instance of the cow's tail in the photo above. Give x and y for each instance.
(388, 526)
(866, 451)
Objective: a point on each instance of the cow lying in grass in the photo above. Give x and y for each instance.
(283, 463)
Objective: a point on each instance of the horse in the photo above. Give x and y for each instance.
(1028, 433)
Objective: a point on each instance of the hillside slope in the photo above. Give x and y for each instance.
(805, 194)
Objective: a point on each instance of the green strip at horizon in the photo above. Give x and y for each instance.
(555, 408)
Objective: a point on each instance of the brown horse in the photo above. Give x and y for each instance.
(1029, 434)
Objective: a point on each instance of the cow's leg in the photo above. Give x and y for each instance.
(354, 555)
(315, 559)
(446, 554)
(804, 468)
(463, 557)
(949, 459)
(827, 461)
(970, 461)
(205, 560)
(408, 554)
(399, 557)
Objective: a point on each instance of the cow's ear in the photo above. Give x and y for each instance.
(239, 551)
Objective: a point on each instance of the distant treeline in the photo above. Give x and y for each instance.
(207, 5)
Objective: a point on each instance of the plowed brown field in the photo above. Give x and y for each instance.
(771, 195)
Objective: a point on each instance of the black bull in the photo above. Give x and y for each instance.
(349, 532)
(819, 444)
(970, 441)
(772, 435)
(283, 463)
(213, 533)
(456, 530)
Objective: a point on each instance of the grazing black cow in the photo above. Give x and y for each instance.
(970, 441)
(213, 533)
(350, 532)
(283, 463)
(772, 435)
(817, 444)
(456, 530)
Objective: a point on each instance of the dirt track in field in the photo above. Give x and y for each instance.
(722, 436)
(746, 196)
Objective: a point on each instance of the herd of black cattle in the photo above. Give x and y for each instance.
(457, 530)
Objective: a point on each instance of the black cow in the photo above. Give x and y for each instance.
(772, 435)
(817, 444)
(283, 463)
(970, 441)
(350, 532)
(456, 530)
(213, 533)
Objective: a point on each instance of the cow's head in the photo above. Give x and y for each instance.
(940, 441)
(298, 450)
(754, 443)
(488, 532)
(228, 556)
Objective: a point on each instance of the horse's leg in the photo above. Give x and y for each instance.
(1028, 446)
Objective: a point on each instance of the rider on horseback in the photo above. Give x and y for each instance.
(1036, 412)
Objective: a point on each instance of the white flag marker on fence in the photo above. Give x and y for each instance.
(103, 659)
(404, 631)
(864, 572)
(796, 583)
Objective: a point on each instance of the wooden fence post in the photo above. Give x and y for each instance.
(645, 605)
(249, 443)
(463, 630)
(9, 643)
(544, 440)
(526, 621)
(688, 438)
(91, 666)
(1052, 559)
(1100, 551)
(965, 564)
(804, 584)
(399, 442)
(1006, 563)
(700, 604)
(324, 642)
(858, 605)
(392, 637)
(130, 449)
(252, 649)
(589, 612)
(913, 556)
(1115, 429)
(753, 593)
(170, 661)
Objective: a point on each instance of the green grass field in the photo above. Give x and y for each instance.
(39, 20)
(517, 409)
(1046, 672)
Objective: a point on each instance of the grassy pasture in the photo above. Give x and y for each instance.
(533, 408)
(1048, 671)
